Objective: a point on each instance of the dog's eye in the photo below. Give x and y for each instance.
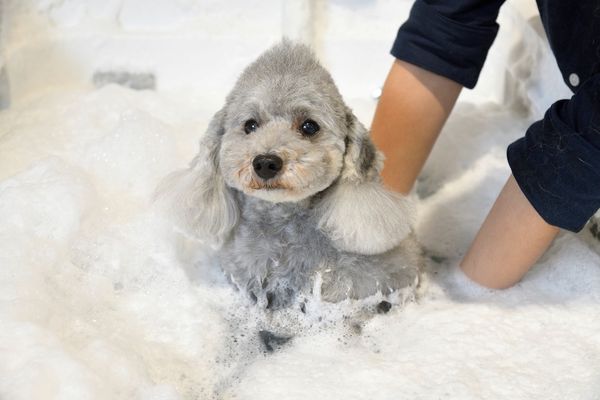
(250, 126)
(309, 127)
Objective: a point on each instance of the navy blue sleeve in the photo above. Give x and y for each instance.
(557, 163)
(449, 38)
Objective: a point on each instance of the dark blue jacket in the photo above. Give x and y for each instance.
(557, 163)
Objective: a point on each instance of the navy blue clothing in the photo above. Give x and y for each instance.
(557, 163)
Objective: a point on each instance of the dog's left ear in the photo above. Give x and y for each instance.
(358, 213)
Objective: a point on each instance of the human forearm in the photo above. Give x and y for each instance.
(412, 110)
(510, 241)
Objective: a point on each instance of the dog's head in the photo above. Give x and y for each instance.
(285, 135)
(286, 130)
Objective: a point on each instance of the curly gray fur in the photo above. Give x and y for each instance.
(325, 222)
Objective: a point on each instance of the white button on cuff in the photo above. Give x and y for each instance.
(574, 79)
(376, 93)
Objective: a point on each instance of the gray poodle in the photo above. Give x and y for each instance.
(286, 189)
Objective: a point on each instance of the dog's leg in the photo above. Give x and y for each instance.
(355, 276)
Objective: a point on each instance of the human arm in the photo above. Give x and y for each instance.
(407, 136)
(512, 238)
(439, 49)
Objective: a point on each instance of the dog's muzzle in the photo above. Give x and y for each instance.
(267, 165)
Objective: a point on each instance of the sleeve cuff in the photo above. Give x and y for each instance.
(557, 163)
(445, 46)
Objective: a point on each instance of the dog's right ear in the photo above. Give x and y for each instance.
(358, 213)
(202, 204)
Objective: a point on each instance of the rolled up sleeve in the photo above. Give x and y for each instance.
(557, 163)
(449, 38)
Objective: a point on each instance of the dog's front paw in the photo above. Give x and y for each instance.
(337, 284)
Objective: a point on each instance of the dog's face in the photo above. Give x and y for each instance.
(284, 129)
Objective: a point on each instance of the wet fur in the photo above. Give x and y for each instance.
(325, 223)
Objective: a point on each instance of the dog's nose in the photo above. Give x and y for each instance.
(267, 165)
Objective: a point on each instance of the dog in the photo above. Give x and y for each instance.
(286, 190)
